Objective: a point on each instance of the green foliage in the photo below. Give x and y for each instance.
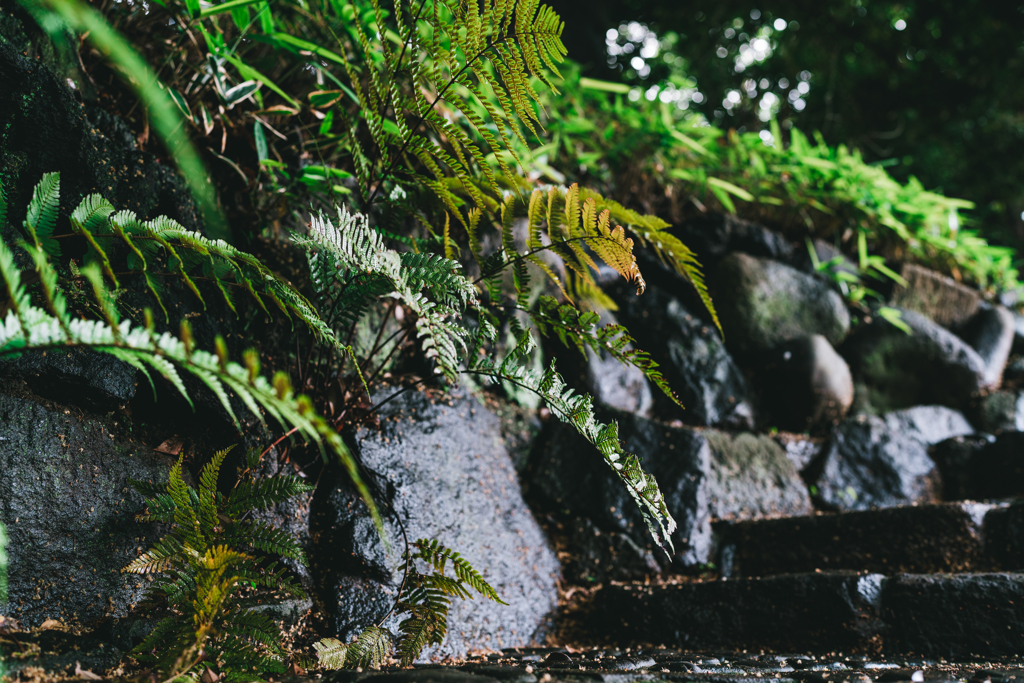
(188, 255)
(209, 567)
(803, 187)
(425, 598)
(27, 326)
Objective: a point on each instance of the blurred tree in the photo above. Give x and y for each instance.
(931, 88)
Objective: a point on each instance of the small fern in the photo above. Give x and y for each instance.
(207, 562)
(425, 598)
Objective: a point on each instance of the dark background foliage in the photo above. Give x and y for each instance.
(930, 89)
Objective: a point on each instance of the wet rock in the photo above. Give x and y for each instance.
(598, 556)
(93, 150)
(892, 369)
(439, 465)
(751, 477)
(692, 358)
(806, 385)
(763, 303)
(703, 475)
(869, 464)
(936, 296)
(999, 411)
(926, 538)
(929, 424)
(954, 459)
(714, 235)
(997, 469)
(819, 611)
(991, 332)
(91, 380)
(958, 615)
(1004, 537)
(70, 512)
(800, 449)
(616, 384)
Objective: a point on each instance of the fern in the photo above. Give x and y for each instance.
(463, 56)
(206, 560)
(361, 269)
(425, 597)
(189, 255)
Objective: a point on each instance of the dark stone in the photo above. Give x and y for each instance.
(805, 385)
(598, 556)
(991, 332)
(800, 449)
(70, 512)
(692, 358)
(959, 615)
(505, 674)
(1004, 536)
(441, 472)
(997, 469)
(819, 611)
(616, 384)
(558, 659)
(751, 478)
(954, 457)
(893, 369)
(999, 411)
(927, 538)
(1013, 374)
(936, 296)
(869, 464)
(713, 235)
(44, 128)
(825, 252)
(426, 674)
(94, 381)
(703, 475)
(763, 303)
(928, 424)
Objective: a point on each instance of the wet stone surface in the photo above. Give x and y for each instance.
(541, 665)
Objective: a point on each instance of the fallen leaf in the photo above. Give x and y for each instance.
(209, 677)
(50, 624)
(171, 446)
(295, 670)
(86, 674)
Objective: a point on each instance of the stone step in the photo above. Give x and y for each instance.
(954, 616)
(948, 537)
(921, 539)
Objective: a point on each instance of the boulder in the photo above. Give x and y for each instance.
(929, 424)
(936, 296)
(94, 151)
(869, 464)
(70, 512)
(763, 303)
(692, 358)
(441, 471)
(713, 235)
(800, 448)
(703, 475)
(892, 369)
(954, 458)
(999, 411)
(991, 332)
(611, 382)
(91, 380)
(598, 556)
(805, 385)
(997, 469)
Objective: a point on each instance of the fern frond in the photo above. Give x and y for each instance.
(261, 493)
(159, 558)
(330, 653)
(208, 490)
(41, 218)
(370, 649)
